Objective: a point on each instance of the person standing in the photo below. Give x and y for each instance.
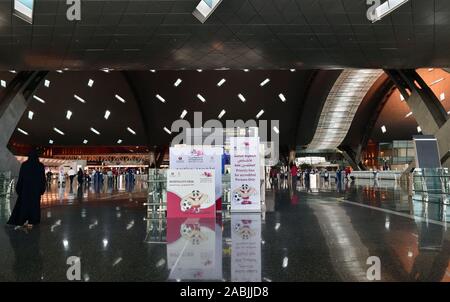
(80, 176)
(71, 174)
(294, 171)
(30, 186)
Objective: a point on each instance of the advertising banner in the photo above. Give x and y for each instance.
(194, 249)
(245, 174)
(190, 193)
(246, 247)
(200, 157)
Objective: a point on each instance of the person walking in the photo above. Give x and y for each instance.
(71, 174)
(30, 187)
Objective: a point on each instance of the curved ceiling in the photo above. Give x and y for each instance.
(266, 34)
(272, 95)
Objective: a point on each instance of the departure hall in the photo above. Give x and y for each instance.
(224, 141)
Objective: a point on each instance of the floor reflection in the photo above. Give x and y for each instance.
(304, 234)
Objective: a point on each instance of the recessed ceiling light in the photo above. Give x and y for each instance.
(442, 96)
(85, 141)
(78, 98)
(13, 71)
(119, 141)
(246, 70)
(292, 70)
(106, 70)
(222, 113)
(68, 114)
(177, 82)
(167, 130)
(22, 131)
(408, 114)
(152, 70)
(160, 98)
(3, 83)
(65, 68)
(201, 98)
(199, 70)
(131, 131)
(58, 131)
(47, 83)
(261, 112)
(419, 129)
(120, 98)
(95, 131)
(38, 99)
(241, 97)
(183, 114)
(30, 114)
(50, 142)
(263, 83)
(107, 114)
(221, 82)
(275, 128)
(383, 129)
(282, 97)
(90, 82)
(59, 71)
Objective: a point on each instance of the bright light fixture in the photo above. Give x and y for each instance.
(30, 114)
(107, 114)
(261, 112)
(119, 141)
(408, 114)
(442, 96)
(221, 82)
(121, 99)
(160, 98)
(246, 70)
(91, 82)
(3, 83)
(85, 141)
(131, 131)
(152, 70)
(167, 130)
(47, 83)
(177, 82)
(437, 81)
(263, 83)
(58, 131)
(38, 99)
(275, 128)
(292, 70)
(201, 98)
(419, 129)
(383, 129)
(183, 114)
(282, 97)
(222, 113)
(78, 98)
(22, 131)
(68, 114)
(59, 71)
(199, 70)
(95, 131)
(241, 97)
(402, 97)
(50, 142)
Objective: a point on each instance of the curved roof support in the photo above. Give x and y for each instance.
(340, 107)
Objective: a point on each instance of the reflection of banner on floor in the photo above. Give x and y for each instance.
(246, 247)
(200, 157)
(194, 249)
(245, 174)
(190, 193)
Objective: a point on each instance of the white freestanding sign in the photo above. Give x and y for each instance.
(245, 174)
(246, 247)
(200, 157)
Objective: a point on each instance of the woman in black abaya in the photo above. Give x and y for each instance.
(30, 187)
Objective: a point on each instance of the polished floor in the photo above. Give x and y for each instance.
(307, 234)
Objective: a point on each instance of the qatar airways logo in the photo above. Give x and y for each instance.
(379, 9)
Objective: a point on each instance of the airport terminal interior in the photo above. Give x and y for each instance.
(225, 140)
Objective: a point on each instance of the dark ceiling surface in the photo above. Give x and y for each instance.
(256, 34)
(147, 115)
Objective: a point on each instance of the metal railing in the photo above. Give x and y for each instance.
(431, 181)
